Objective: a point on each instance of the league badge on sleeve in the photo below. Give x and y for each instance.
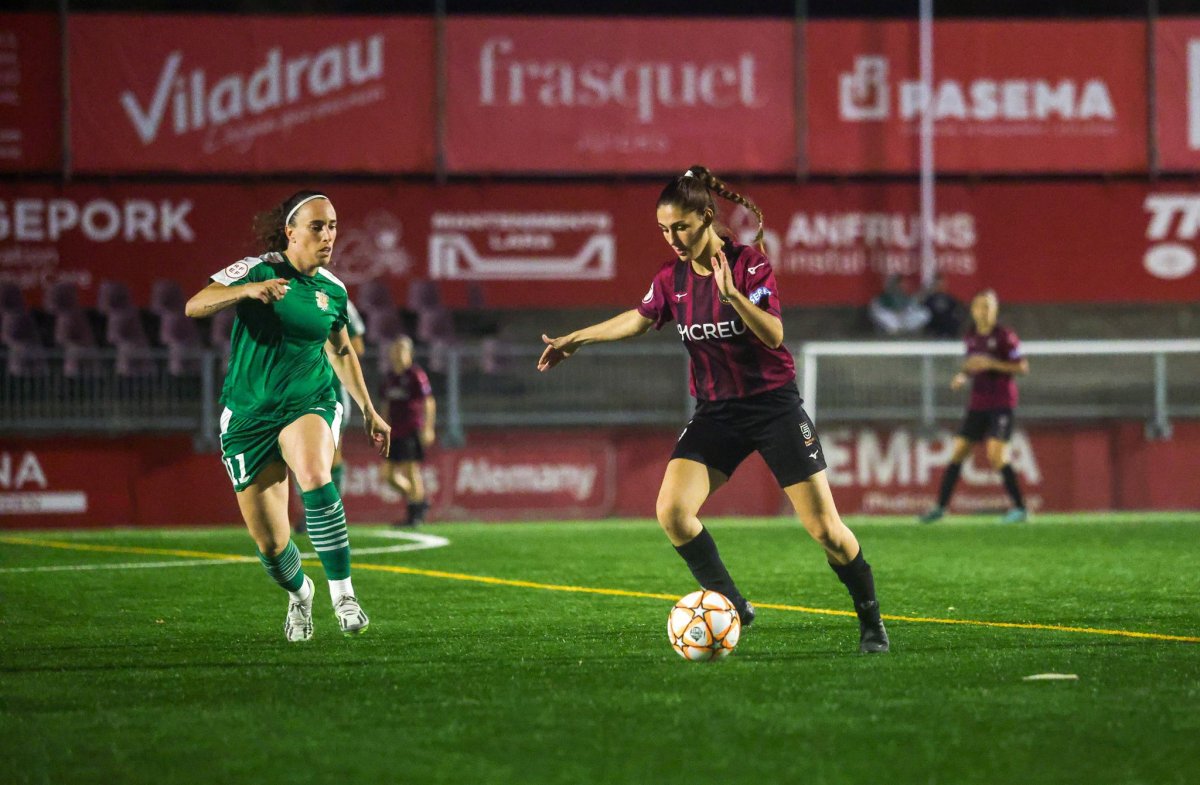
(237, 270)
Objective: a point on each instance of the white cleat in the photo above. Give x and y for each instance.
(350, 615)
(298, 625)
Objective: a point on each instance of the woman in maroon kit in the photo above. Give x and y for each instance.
(412, 408)
(993, 361)
(725, 304)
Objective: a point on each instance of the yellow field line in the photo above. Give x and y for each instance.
(459, 576)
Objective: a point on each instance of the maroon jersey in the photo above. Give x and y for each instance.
(993, 389)
(405, 394)
(728, 360)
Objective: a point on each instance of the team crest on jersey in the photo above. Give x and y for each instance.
(237, 270)
(323, 301)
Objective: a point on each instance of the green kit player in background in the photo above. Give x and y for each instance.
(281, 409)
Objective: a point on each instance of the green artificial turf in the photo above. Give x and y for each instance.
(180, 674)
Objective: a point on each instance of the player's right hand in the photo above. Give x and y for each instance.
(557, 350)
(268, 292)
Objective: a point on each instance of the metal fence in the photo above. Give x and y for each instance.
(635, 383)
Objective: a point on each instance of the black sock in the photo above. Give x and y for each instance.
(702, 559)
(416, 512)
(1010, 485)
(949, 479)
(860, 582)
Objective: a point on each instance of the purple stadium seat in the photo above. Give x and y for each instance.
(435, 324)
(12, 299)
(383, 327)
(74, 335)
(374, 296)
(125, 332)
(182, 339)
(423, 294)
(26, 355)
(166, 296)
(61, 296)
(113, 296)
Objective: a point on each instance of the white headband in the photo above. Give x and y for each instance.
(292, 212)
(688, 173)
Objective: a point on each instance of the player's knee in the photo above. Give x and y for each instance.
(269, 546)
(311, 479)
(672, 514)
(826, 528)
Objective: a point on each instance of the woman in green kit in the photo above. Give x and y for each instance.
(280, 407)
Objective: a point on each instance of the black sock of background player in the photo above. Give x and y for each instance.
(416, 512)
(860, 582)
(948, 481)
(1010, 485)
(702, 559)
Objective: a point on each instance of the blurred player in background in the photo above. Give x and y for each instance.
(992, 364)
(280, 408)
(412, 411)
(725, 302)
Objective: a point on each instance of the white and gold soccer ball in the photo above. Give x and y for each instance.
(704, 626)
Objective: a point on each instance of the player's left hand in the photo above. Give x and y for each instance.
(723, 274)
(379, 432)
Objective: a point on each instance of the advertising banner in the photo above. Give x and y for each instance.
(1008, 97)
(1177, 93)
(226, 94)
(619, 95)
(594, 473)
(578, 245)
(30, 93)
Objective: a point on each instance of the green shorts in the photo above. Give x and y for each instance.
(248, 445)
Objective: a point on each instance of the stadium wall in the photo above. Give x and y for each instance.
(549, 474)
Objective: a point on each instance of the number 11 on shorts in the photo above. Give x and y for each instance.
(240, 477)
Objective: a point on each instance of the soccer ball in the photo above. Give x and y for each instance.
(704, 626)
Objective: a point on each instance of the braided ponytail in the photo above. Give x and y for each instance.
(692, 192)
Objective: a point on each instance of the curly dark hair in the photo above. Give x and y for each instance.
(693, 190)
(268, 226)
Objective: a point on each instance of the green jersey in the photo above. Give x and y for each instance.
(355, 326)
(277, 359)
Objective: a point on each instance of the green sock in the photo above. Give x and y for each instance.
(339, 474)
(284, 569)
(327, 529)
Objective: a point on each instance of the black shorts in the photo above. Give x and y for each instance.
(406, 448)
(722, 433)
(987, 424)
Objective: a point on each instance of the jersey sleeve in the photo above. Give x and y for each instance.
(761, 288)
(655, 305)
(341, 317)
(422, 380)
(354, 321)
(248, 270)
(1011, 347)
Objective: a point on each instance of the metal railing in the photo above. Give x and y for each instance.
(635, 383)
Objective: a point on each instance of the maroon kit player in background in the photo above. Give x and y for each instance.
(993, 361)
(725, 303)
(413, 412)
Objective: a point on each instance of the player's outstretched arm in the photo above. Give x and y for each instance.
(217, 296)
(345, 364)
(621, 326)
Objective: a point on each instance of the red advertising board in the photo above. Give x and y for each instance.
(619, 95)
(565, 475)
(238, 94)
(30, 93)
(1177, 93)
(1006, 96)
(578, 245)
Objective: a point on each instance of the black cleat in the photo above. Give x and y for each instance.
(872, 635)
(746, 614)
